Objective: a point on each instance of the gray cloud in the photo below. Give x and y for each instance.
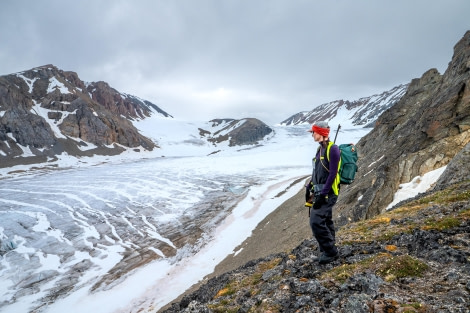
(209, 58)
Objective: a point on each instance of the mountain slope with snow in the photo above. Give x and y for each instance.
(362, 112)
(47, 114)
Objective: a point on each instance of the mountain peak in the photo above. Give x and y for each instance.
(362, 112)
(46, 67)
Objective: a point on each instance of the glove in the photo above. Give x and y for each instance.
(308, 194)
(319, 201)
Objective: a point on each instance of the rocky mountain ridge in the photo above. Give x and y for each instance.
(46, 111)
(362, 112)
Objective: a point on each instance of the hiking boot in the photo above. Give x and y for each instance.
(325, 258)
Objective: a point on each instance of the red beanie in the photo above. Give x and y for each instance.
(320, 130)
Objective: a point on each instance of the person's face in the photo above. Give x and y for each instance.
(317, 137)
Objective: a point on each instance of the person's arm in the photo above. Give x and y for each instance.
(334, 162)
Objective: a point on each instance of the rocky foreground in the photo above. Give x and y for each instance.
(414, 258)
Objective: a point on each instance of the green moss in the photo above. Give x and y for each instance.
(340, 273)
(465, 214)
(387, 235)
(220, 308)
(351, 242)
(343, 272)
(434, 198)
(400, 267)
(261, 307)
(364, 231)
(415, 307)
(441, 224)
(265, 307)
(449, 195)
(378, 229)
(383, 264)
(229, 290)
(263, 267)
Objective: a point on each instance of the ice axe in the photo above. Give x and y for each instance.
(337, 130)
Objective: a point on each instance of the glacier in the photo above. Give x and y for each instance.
(113, 235)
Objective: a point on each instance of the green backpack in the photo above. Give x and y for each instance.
(347, 166)
(348, 159)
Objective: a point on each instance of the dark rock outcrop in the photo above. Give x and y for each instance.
(457, 169)
(248, 131)
(422, 132)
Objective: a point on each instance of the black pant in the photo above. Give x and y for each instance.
(321, 222)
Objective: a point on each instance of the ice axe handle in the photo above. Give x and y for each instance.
(337, 131)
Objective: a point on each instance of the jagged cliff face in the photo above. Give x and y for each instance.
(422, 132)
(361, 112)
(120, 103)
(50, 111)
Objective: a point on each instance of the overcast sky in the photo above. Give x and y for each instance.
(205, 59)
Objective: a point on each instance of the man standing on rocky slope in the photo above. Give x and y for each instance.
(325, 189)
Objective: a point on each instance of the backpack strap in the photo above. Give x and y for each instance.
(330, 144)
(327, 157)
(335, 187)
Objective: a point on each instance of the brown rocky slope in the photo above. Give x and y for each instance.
(414, 258)
(50, 111)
